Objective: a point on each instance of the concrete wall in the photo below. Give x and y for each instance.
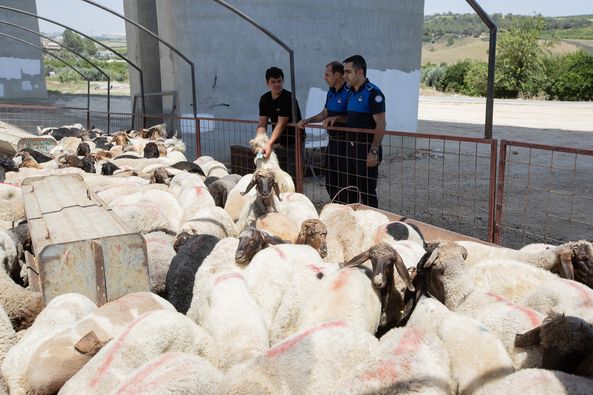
(21, 66)
(231, 56)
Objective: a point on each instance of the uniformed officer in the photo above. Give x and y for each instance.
(336, 172)
(365, 110)
(275, 105)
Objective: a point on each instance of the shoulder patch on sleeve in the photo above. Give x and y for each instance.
(378, 98)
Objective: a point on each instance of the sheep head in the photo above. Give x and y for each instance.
(151, 150)
(251, 241)
(575, 262)
(88, 164)
(383, 257)
(160, 176)
(120, 138)
(265, 182)
(108, 168)
(83, 149)
(314, 233)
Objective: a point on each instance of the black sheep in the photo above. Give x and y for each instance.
(179, 285)
(108, 168)
(151, 150)
(38, 156)
(190, 167)
(83, 149)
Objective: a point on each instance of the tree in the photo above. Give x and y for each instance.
(89, 46)
(520, 59)
(72, 40)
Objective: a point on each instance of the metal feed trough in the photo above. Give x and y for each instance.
(80, 245)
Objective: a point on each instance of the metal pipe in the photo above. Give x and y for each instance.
(60, 59)
(171, 47)
(298, 159)
(491, 63)
(83, 58)
(90, 38)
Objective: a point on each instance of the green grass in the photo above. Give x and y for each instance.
(584, 33)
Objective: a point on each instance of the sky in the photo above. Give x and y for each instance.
(95, 21)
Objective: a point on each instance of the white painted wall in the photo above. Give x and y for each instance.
(14, 68)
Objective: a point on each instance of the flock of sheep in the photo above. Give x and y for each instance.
(254, 291)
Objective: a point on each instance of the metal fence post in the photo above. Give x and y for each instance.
(496, 238)
(198, 140)
(492, 191)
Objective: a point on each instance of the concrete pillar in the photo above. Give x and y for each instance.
(21, 66)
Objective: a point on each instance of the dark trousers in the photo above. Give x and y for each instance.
(337, 169)
(363, 177)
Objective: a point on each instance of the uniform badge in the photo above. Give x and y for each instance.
(360, 99)
(378, 99)
(339, 100)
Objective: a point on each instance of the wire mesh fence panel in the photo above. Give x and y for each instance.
(546, 194)
(30, 117)
(441, 180)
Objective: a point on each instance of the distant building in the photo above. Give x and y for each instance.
(50, 45)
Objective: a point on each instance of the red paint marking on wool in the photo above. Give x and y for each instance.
(314, 268)
(102, 371)
(379, 234)
(227, 276)
(280, 252)
(142, 374)
(583, 294)
(290, 343)
(12, 185)
(532, 315)
(341, 280)
(199, 191)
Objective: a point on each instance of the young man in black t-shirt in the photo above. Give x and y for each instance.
(275, 105)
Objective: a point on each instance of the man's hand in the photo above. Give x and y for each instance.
(372, 159)
(267, 150)
(301, 124)
(329, 122)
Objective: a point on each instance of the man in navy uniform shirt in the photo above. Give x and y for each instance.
(276, 105)
(365, 110)
(336, 174)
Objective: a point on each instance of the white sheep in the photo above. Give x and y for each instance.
(8, 338)
(184, 181)
(235, 200)
(317, 360)
(278, 225)
(160, 252)
(297, 207)
(270, 272)
(194, 199)
(146, 338)
(214, 168)
(344, 232)
(265, 200)
(234, 320)
(285, 182)
(58, 358)
(149, 211)
(21, 305)
(213, 221)
(11, 204)
(173, 373)
(538, 382)
(462, 336)
(203, 160)
(61, 312)
(222, 258)
(370, 220)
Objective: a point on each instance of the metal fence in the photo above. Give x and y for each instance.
(521, 194)
(544, 194)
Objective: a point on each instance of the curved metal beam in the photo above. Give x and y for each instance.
(77, 53)
(90, 38)
(491, 63)
(293, 104)
(171, 47)
(88, 81)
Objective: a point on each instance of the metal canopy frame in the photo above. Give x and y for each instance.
(88, 81)
(81, 56)
(491, 63)
(90, 38)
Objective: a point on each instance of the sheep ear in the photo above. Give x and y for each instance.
(301, 239)
(357, 260)
(529, 338)
(567, 269)
(89, 344)
(276, 189)
(402, 270)
(249, 187)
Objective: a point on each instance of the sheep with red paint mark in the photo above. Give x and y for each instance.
(443, 274)
(297, 207)
(61, 312)
(146, 338)
(173, 373)
(462, 336)
(234, 320)
(407, 360)
(317, 360)
(182, 181)
(194, 199)
(270, 273)
(58, 358)
(236, 200)
(370, 220)
(211, 221)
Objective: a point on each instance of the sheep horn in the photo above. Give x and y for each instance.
(249, 187)
(402, 270)
(529, 338)
(566, 266)
(357, 260)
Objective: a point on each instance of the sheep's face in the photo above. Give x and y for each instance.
(88, 164)
(250, 242)
(151, 150)
(9, 165)
(582, 262)
(83, 149)
(108, 168)
(159, 176)
(264, 184)
(382, 271)
(180, 240)
(314, 233)
(120, 139)
(432, 269)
